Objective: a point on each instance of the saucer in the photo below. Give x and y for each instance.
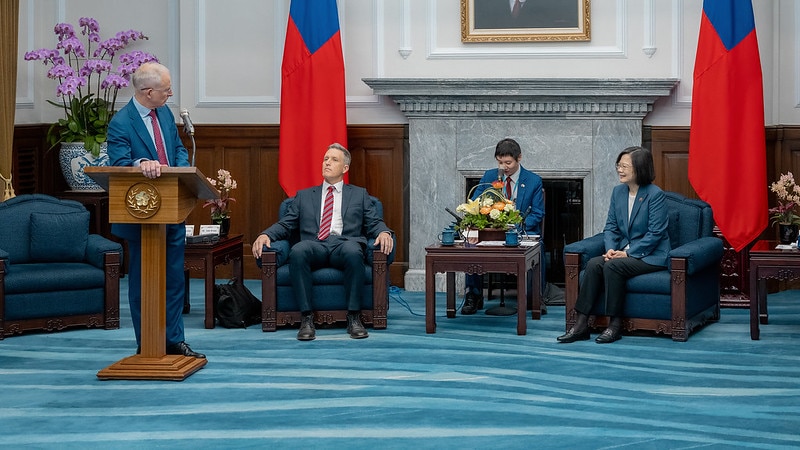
(446, 245)
(507, 245)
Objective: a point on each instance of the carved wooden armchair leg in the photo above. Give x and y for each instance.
(269, 274)
(380, 283)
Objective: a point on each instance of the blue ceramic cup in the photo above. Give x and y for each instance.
(512, 238)
(448, 236)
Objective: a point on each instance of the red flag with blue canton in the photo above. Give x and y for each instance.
(727, 149)
(313, 102)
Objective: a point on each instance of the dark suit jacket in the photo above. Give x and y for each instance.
(128, 140)
(646, 231)
(360, 220)
(529, 194)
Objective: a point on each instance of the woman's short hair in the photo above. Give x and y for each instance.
(642, 161)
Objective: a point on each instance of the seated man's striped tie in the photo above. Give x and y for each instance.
(327, 216)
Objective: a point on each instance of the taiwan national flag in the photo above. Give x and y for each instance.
(727, 149)
(313, 103)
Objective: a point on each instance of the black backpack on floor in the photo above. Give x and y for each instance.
(235, 305)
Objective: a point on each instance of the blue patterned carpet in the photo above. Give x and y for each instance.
(473, 384)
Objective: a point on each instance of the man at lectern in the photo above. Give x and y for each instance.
(143, 134)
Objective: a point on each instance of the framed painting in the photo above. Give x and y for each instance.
(524, 20)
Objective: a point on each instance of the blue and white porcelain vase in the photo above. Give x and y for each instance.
(787, 233)
(73, 157)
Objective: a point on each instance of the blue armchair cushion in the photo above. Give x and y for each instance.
(44, 277)
(59, 237)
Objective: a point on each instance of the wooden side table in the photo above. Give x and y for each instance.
(766, 262)
(206, 257)
(511, 260)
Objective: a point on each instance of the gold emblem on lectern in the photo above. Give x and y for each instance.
(142, 200)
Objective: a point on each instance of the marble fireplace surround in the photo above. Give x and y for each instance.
(568, 128)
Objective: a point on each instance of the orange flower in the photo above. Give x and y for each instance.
(486, 210)
(497, 184)
(499, 205)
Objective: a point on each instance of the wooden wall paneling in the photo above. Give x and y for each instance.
(26, 161)
(380, 165)
(250, 153)
(670, 148)
(786, 158)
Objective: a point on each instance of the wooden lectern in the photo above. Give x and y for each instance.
(152, 203)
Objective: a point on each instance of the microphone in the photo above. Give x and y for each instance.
(525, 216)
(188, 128)
(458, 218)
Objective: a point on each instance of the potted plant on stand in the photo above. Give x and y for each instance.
(220, 208)
(87, 87)
(788, 193)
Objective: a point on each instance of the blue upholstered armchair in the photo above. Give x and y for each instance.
(279, 307)
(674, 301)
(53, 273)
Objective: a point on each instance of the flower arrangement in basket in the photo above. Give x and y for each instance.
(87, 82)
(491, 209)
(788, 193)
(220, 208)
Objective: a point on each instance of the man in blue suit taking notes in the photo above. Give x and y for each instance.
(143, 134)
(525, 189)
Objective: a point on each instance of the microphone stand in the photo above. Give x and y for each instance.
(194, 150)
(190, 132)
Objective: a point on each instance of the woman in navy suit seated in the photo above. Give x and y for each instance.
(636, 242)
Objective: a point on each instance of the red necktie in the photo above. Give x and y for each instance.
(515, 9)
(509, 191)
(327, 216)
(162, 153)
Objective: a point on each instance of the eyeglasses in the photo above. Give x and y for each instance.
(166, 90)
(624, 166)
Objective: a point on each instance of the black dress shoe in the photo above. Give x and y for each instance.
(608, 336)
(472, 303)
(182, 348)
(572, 335)
(307, 332)
(355, 327)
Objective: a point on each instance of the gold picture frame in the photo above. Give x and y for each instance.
(535, 20)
